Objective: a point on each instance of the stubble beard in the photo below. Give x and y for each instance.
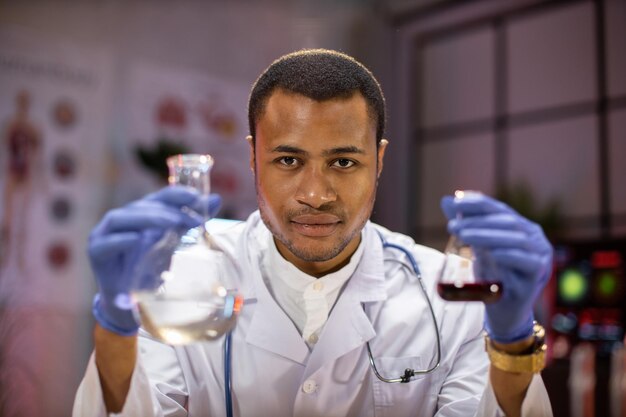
(312, 253)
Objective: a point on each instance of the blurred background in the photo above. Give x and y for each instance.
(522, 99)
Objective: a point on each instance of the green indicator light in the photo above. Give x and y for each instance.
(607, 283)
(572, 285)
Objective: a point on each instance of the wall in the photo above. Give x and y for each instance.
(516, 92)
(233, 41)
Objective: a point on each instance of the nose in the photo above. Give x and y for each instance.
(315, 189)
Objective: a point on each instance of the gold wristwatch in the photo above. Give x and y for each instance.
(533, 361)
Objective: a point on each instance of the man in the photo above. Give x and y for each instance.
(319, 282)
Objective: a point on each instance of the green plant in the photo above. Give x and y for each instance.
(522, 199)
(153, 157)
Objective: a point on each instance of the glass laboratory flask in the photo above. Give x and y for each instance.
(192, 301)
(460, 279)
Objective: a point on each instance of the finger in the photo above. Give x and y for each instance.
(501, 221)
(472, 205)
(477, 204)
(103, 246)
(521, 261)
(182, 196)
(140, 217)
(175, 195)
(447, 206)
(495, 239)
(201, 207)
(215, 203)
(208, 204)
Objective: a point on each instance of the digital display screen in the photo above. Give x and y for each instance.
(589, 302)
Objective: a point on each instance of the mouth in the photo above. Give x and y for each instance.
(316, 225)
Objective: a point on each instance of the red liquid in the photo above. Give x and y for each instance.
(487, 292)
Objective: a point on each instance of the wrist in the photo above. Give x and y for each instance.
(116, 358)
(524, 356)
(521, 347)
(510, 335)
(113, 318)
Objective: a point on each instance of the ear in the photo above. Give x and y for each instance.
(380, 154)
(251, 143)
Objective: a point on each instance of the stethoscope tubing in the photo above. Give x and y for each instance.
(228, 389)
(406, 378)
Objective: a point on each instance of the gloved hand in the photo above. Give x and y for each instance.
(508, 248)
(123, 238)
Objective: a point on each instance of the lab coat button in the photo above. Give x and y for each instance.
(313, 339)
(309, 386)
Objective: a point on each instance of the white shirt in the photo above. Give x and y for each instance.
(307, 300)
(274, 373)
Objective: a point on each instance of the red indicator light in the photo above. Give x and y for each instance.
(606, 259)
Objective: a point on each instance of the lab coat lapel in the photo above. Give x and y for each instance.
(270, 328)
(348, 327)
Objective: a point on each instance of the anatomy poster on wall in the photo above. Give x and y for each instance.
(185, 111)
(53, 132)
(53, 110)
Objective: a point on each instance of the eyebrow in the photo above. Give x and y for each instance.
(334, 151)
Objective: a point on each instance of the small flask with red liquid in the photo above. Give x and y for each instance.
(457, 281)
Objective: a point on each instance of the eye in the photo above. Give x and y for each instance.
(344, 163)
(288, 161)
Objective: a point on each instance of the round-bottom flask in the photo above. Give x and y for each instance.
(192, 302)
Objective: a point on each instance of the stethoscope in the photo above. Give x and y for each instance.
(408, 373)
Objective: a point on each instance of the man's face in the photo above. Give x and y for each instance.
(316, 168)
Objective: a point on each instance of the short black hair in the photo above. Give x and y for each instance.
(320, 74)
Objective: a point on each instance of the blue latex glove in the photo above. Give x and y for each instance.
(123, 239)
(508, 248)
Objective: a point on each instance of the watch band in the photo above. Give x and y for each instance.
(534, 361)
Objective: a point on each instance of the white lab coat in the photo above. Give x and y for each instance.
(275, 374)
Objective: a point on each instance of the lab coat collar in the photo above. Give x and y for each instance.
(347, 328)
(270, 328)
(368, 282)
